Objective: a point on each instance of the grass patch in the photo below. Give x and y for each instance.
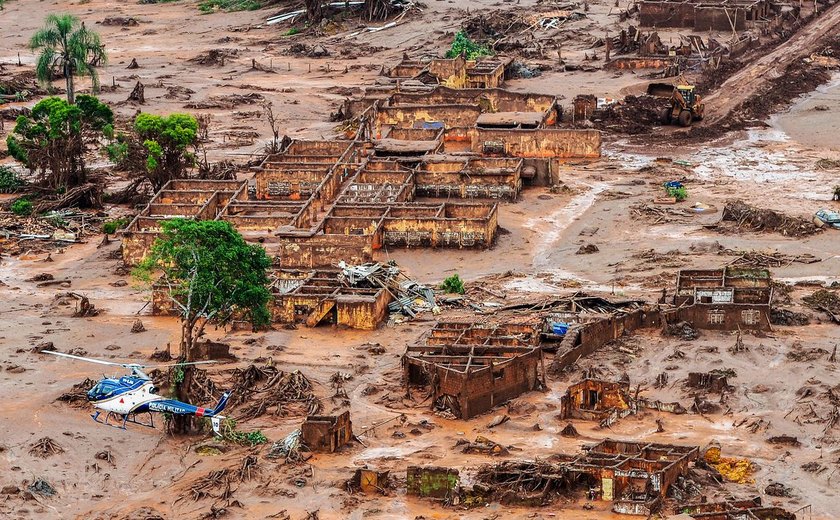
(679, 193)
(110, 227)
(251, 438)
(228, 6)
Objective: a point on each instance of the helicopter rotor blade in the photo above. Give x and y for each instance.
(165, 365)
(124, 365)
(80, 358)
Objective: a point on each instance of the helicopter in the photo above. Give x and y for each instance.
(126, 396)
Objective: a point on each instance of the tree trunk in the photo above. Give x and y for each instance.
(376, 9)
(68, 78)
(182, 424)
(314, 11)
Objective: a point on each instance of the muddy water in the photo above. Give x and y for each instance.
(808, 125)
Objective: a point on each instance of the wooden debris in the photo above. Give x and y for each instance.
(45, 447)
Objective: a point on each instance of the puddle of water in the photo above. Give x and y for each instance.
(746, 160)
(809, 126)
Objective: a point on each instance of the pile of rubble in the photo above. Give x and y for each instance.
(767, 220)
(410, 297)
(256, 391)
(18, 233)
(635, 115)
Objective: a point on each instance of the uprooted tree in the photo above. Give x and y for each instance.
(212, 276)
(54, 139)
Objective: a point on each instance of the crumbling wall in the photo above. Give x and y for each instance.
(309, 252)
(362, 312)
(489, 387)
(666, 14)
(589, 337)
(719, 18)
(449, 115)
(722, 317)
(136, 245)
(432, 482)
(538, 143)
(327, 433)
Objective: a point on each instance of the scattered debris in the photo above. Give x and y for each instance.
(45, 447)
(137, 327)
(77, 396)
(766, 220)
(41, 487)
(587, 249)
(215, 57)
(482, 445)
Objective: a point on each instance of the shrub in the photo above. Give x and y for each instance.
(22, 207)
(453, 284)
(211, 6)
(462, 44)
(679, 193)
(110, 227)
(251, 438)
(9, 181)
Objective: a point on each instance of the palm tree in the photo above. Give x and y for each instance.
(67, 45)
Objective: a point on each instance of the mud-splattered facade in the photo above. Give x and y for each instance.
(704, 15)
(723, 299)
(468, 380)
(327, 433)
(455, 72)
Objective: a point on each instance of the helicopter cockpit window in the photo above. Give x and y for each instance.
(102, 388)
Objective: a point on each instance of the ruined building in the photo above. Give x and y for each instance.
(707, 15)
(723, 299)
(457, 72)
(326, 433)
(318, 202)
(607, 401)
(469, 370)
(636, 477)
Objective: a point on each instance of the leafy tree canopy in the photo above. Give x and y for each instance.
(166, 139)
(67, 48)
(54, 138)
(211, 271)
(462, 44)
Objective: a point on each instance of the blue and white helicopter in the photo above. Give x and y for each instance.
(125, 397)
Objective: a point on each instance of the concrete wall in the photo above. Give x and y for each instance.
(540, 143)
(433, 482)
(491, 386)
(589, 337)
(666, 14)
(719, 18)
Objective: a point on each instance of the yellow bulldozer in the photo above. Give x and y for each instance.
(686, 106)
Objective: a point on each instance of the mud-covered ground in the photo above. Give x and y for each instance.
(782, 383)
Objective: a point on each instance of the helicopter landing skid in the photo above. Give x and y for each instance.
(127, 418)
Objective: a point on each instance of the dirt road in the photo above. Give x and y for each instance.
(750, 80)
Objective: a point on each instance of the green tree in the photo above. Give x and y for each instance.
(211, 275)
(166, 140)
(55, 137)
(69, 48)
